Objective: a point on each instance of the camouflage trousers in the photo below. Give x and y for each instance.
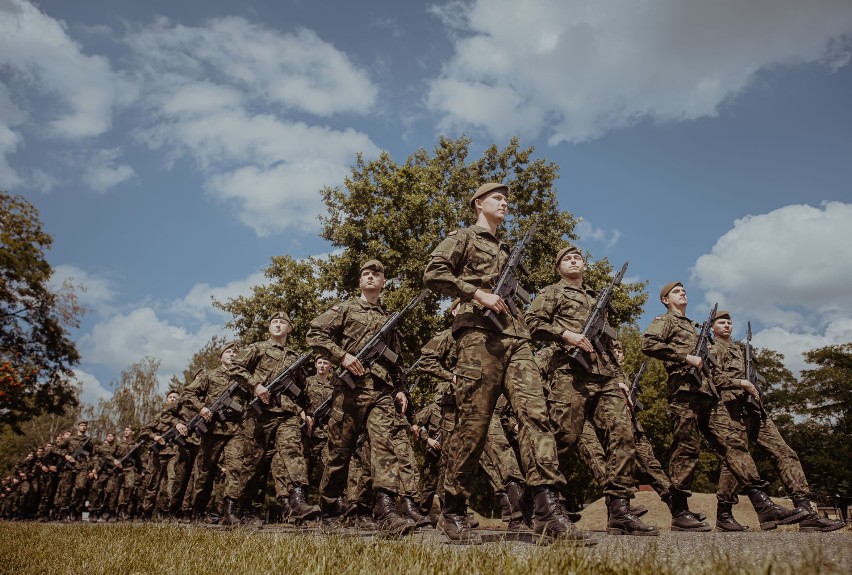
(72, 488)
(693, 415)
(97, 492)
(498, 459)
(278, 434)
(359, 480)
(368, 408)
(765, 434)
(156, 481)
(316, 454)
(214, 449)
(592, 453)
(409, 469)
(48, 493)
(120, 488)
(577, 399)
(180, 475)
(490, 364)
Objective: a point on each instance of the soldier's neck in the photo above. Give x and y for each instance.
(279, 339)
(678, 310)
(369, 296)
(490, 224)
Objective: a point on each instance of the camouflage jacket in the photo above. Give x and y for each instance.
(730, 366)
(670, 338)
(318, 391)
(260, 363)
(204, 390)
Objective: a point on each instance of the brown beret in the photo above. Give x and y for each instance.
(569, 249)
(667, 288)
(374, 265)
(722, 313)
(278, 315)
(228, 345)
(484, 189)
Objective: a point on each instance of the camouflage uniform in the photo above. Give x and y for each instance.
(73, 481)
(156, 468)
(694, 407)
(489, 363)
(100, 466)
(346, 328)
(577, 395)
(275, 430)
(122, 481)
(315, 445)
(730, 365)
(221, 445)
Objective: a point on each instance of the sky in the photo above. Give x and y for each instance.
(173, 148)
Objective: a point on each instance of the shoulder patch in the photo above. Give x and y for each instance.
(452, 233)
(335, 308)
(658, 317)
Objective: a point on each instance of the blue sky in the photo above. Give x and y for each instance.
(174, 147)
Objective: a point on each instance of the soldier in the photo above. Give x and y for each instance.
(71, 492)
(695, 410)
(156, 472)
(339, 334)
(101, 464)
(49, 481)
(579, 394)
(221, 445)
(318, 387)
(277, 430)
(466, 264)
(731, 380)
(123, 476)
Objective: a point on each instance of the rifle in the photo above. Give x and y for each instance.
(128, 457)
(702, 350)
(321, 415)
(377, 347)
(596, 325)
(198, 424)
(752, 404)
(169, 437)
(507, 286)
(432, 454)
(284, 383)
(84, 448)
(633, 394)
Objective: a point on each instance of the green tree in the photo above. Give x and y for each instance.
(136, 400)
(202, 360)
(36, 354)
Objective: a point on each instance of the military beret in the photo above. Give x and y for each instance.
(569, 249)
(278, 315)
(484, 189)
(667, 288)
(86, 421)
(374, 265)
(229, 344)
(722, 313)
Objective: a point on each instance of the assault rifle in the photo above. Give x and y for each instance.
(633, 394)
(596, 325)
(702, 350)
(321, 415)
(377, 347)
(198, 424)
(432, 454)
(169, 437)
(753, 404)
(82, 450)
(507, 286)
(285, 384)
(127, 458)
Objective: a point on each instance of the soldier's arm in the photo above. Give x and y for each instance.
(656, 342)
(243, 365)
(194, 396)
(540, 317)
(433, 356)
(440, 275)
(323, 334)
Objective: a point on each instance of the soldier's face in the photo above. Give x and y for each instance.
(371, 280)
(110, 437)
(279, 327)
(572, 265)
(172, 398)
(323, 365)
(676, 297)
(82, 427)
(619, 355)
(723, 327)
(494, 206)
(228, 355)
(128, 431)
(39, 452)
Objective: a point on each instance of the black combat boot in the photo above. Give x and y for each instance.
(362, 517)
(520, 513)
(93, 515)
(549, 519)
(667, 499)
(299, 508)
(622, 522)
(725, 520)
(122, 513)
(229, 516)
(813, 522)
(505, 507)
(387, 519)
(771, 515)
(638, 510)
(407, 508)
(453, 522)
(682, 517)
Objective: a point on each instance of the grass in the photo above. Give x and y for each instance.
(118, 549)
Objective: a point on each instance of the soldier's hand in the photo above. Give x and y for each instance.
(206, 414)
(159, 439)
(433, 444)
(182, 429)
(577, 340)
(694, 361)
(117, 463)
(402, 400)
(309, 423)
(261, 392)
(749, 388)
(69, 459)
(351, 363)
(490, 300)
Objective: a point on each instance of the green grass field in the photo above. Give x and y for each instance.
(117, 549)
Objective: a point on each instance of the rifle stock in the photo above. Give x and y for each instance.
(507, 286)
(596, 326)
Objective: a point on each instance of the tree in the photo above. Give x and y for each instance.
(36, 354)
(136, 400)
(205, 358)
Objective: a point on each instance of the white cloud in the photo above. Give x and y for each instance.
(92, 388)
(577, 69)
(42, 56)
(102, 173)
(98, 291)
(586, 231)
(789, 269)
(217, 94)
(198, 302)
